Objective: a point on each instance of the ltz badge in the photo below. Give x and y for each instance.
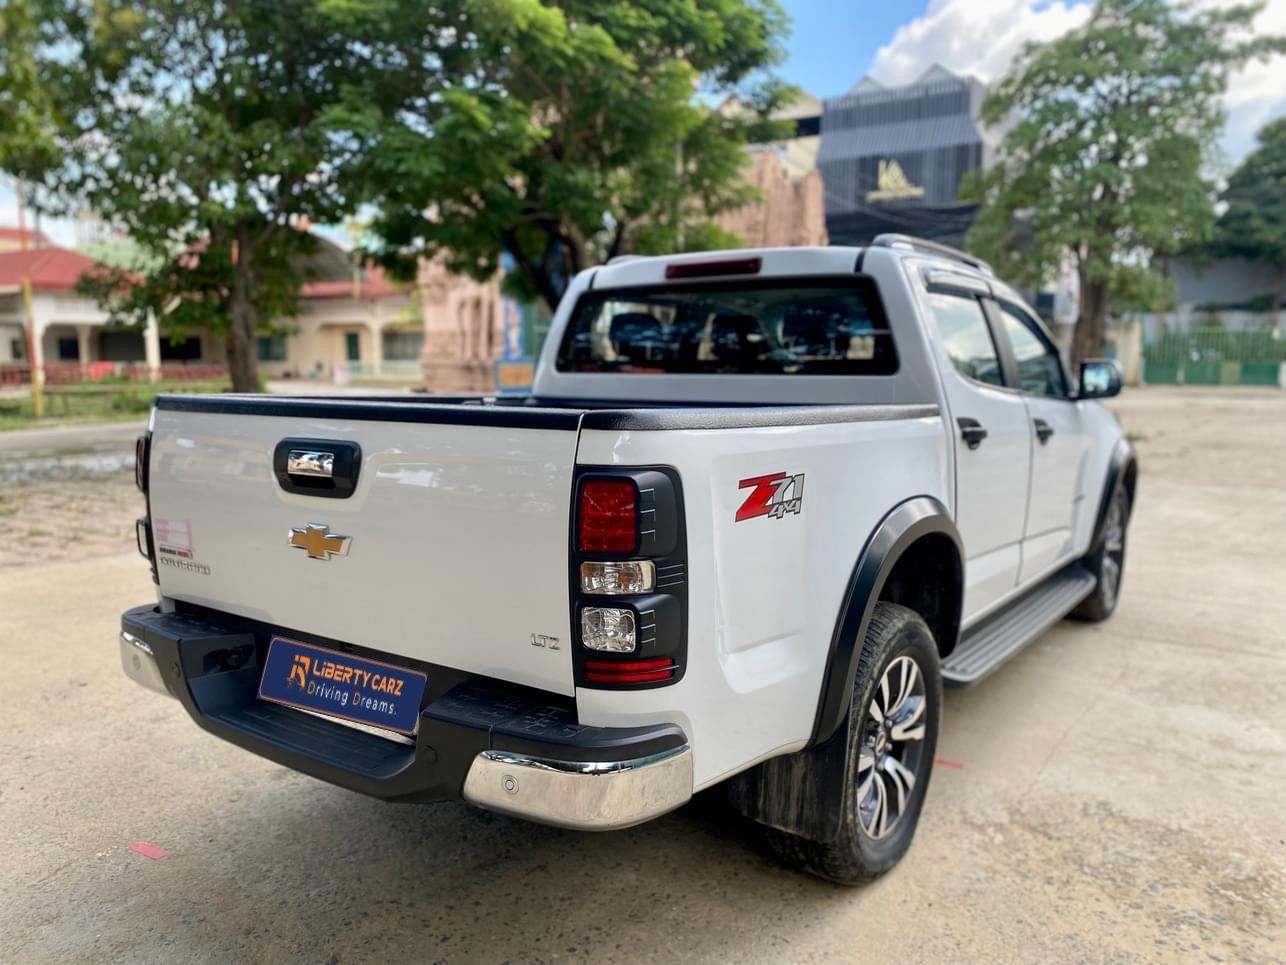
(773, 496)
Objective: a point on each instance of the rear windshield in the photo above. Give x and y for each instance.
(789, 327)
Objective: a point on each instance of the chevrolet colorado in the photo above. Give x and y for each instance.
(759, 508)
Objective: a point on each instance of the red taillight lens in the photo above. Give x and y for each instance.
(608, 517)
(628, 671)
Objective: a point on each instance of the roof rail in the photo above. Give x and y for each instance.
(932, 248)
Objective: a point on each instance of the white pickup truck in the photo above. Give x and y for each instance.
(760, 506)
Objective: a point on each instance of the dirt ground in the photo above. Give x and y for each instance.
(66, 506)
(1115, 793)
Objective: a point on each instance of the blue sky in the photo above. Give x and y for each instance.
(835, 41)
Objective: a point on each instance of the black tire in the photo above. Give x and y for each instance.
(1107, 561)
(858, 855)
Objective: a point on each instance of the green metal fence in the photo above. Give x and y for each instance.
(1215, 357)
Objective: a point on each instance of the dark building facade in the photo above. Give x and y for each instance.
(892, 158)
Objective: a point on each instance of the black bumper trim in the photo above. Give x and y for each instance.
(213, 668)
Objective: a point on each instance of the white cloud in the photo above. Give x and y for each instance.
(982, 37)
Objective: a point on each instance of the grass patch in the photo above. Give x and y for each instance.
(1134, 435)
(115, 402)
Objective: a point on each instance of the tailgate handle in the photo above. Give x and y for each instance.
(317, 467)
(310, 462)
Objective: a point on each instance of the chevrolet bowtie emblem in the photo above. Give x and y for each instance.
(319, 541)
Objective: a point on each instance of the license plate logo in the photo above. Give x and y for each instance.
(342, 685)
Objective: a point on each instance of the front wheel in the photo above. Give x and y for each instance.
(1107, 561)
(892, 735)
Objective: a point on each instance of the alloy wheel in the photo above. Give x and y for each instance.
(890, 756)
(1113, 550)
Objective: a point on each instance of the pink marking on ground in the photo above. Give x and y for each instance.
(148, 850)
(947, 762)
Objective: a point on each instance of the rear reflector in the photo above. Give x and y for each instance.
(628, 671)
(707, 269)
(608, 517)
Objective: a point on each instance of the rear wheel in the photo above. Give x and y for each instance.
(892, 732)
(1107, 561)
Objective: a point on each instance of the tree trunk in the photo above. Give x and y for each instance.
(1091, 320)
(243, 359)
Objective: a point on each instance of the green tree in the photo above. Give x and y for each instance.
(584, 130)
(212, 133)
(27, 145)
(1108, 157)
(1253, 224)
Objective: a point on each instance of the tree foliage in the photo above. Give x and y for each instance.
(1109, 155)
(211, 132)
(27, 145)
(1253, 225)
(582, 130)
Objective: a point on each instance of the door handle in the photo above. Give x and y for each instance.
(971, 431)
(1043, 430)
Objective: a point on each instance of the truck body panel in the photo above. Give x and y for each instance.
(459, 537)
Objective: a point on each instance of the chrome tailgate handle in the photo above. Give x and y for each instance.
(317, 467)
(310, 462)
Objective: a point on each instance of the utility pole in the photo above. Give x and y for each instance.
(29, 318)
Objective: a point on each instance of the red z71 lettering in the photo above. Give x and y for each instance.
(773, 495)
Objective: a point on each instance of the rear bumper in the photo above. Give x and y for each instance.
(500, 747)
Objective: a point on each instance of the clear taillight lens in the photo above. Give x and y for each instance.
(616, 578)
(609, 629)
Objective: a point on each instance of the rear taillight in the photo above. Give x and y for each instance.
(608, 517)
(629, 671)
(142, 447)
(629, 578)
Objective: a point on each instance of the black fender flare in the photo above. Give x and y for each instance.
(904, 524)
(1122, 464)
(804, 792)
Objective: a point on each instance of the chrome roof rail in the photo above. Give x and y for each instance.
(933, 248)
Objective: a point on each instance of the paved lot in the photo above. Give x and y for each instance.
(1120, 795)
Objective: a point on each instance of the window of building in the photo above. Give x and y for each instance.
(121, 346)
(1039, 370)
(271, 348)
(17, 349)
(68, 349)
(188, 350)
(403, 346)
(964, 333)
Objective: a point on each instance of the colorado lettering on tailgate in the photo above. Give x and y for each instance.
(773, 495)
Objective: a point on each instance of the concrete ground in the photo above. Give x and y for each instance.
(1115, 793)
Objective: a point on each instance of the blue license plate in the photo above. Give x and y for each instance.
(342, 685)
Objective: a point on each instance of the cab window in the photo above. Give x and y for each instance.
(966, 336)
(1039, 369)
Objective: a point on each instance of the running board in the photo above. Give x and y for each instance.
(985, 647)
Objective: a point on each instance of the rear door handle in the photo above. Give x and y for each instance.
(971, 431)
(1043, 430)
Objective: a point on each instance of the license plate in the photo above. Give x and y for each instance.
(342, 685)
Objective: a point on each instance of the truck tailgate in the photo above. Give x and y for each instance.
(457, 533)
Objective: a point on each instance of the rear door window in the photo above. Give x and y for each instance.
(966, 336)
(798, 326)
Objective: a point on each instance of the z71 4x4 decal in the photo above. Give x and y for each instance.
(773, 496)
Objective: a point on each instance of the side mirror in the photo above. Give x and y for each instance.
(1100, 379)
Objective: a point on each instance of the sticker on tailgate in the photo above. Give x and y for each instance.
(342, 685)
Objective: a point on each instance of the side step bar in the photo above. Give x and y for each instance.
(986, 646)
